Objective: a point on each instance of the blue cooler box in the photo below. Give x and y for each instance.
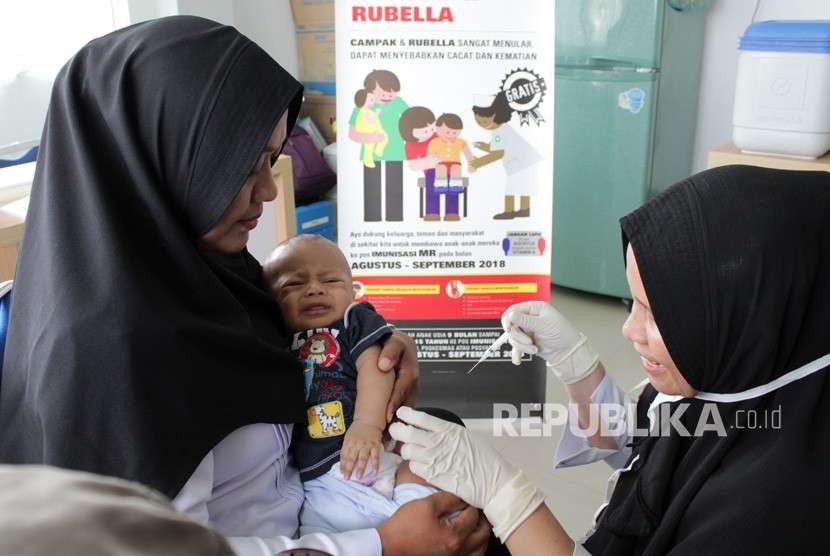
(316, 218)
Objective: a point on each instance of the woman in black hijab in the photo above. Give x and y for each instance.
(730, 275)
(142, 344)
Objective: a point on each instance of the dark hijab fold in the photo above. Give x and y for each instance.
(130, 351)
(736, 265)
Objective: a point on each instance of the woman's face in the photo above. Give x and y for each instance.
(424, 133)
(641, 330)
(487, 122)
(230, 233)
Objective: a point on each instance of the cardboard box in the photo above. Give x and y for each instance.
(323, 111)
(316, 218)
(728, 153)
(313, 15)
(314, 20)
(315, 51)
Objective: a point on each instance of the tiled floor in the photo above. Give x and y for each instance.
(573, 494)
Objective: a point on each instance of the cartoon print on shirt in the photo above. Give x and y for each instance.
(322, 348)
(329, 388)
(326, 420)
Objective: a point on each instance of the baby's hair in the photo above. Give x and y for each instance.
(413, 118)
(499, 110)
(387, 81)
(360, 97)
(452, 121)
(271, 267)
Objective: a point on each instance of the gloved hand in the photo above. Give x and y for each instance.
(451, 458)
(537, 328)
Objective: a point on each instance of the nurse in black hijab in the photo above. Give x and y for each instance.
(142, 344)
(730, 276)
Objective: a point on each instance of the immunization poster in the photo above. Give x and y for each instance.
(445, 181)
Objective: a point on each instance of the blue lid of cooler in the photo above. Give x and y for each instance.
(788, 36)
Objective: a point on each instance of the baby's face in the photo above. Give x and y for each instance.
(447, 133)
(313, 285)
(424, 133)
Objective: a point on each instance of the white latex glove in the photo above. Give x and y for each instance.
(537, 328)
(453, 459)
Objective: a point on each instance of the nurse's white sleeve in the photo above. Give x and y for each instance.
(363, 541)
(193, 500)
(573, 448)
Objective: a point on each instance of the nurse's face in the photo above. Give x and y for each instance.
(230, 233)
(487, 122)
(641, 330)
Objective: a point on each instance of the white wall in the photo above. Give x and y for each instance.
(23, 98)
(725, 23)
(142, 10)
(32, 50)
(269, 23)
(217, 10)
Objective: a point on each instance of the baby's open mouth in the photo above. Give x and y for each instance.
(316, 309)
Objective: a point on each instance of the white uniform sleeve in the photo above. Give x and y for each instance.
(363, 541)
(573, 448)
(194, 500)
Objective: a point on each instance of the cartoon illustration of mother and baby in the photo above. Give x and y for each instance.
(382, 122)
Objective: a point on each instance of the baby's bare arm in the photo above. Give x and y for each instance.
(363, 439)
(373, 389)
(405, 475)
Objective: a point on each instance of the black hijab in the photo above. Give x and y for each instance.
(131, 352)
(736, 265)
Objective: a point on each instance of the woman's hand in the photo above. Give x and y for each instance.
(424, 527)
(537, 328)
(451, 458)
(400, 354)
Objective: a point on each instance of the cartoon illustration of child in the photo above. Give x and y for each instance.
(448, 148)
(417, 127)
(515, 152)
(368, 121)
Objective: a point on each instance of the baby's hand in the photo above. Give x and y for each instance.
(362, 440)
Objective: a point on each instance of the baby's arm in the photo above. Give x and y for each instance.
(363, 438)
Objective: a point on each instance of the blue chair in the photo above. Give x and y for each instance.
(28, 156)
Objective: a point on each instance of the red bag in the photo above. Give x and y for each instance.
(312, 175)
